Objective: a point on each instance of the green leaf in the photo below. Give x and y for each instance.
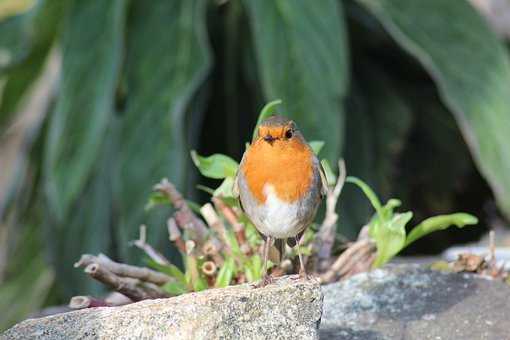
(226, 273)
(155, 199)
(253, 268)
(88, 229)
(26, 292)
(168, 269)
(26, 32)
(302, 57)
(29, 280)
(372, 197)
(233, 244)
(194, 206)
(387, 209)
(440, 222)
(200, 284)
(85, 104)
(163, 73)
(226, 187)
(316, 146)
(471, 69)
(205, 189)
(267, 111)
(328, 172)
(24, 44)
(390, 237)
(215, 166)
(175, 288)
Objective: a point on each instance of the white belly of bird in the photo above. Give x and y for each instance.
(280, 219)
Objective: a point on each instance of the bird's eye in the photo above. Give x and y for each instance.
(288, 134)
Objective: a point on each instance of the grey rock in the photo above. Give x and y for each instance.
(287, 309)
(414, 303)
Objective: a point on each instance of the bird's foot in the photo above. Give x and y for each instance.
(266, 280)
(303, 276)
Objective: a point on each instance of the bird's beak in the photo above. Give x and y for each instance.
(269, 139)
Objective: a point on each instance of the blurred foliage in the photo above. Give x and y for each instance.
(415, 95)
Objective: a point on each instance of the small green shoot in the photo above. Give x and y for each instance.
(388, 228)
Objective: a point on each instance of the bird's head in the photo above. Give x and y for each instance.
(278, 128)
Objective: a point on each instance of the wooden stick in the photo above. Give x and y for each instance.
(185, 217)
(192, 263)
(80, 302)
(132, 288)
(325, 239)
(347, 259)
(237, 226)
(174, 235)
(125, 270)
(216, 224)
(147, 248)
(212, 249)
(209, 268)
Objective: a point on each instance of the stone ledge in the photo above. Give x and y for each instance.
(287, 309)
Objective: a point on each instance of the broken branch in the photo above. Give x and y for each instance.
(147, 248)
(237, 226)
(326, 236)
(121, 269)
(348, 259)
(132, 288)
(185, 217)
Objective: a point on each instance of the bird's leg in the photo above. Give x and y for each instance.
(302, 270)
(266, 279)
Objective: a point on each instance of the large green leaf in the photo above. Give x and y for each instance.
(440, 222)
(302, 59)
(29, 279)
(471, 69)
(24, 43)
(85, 102)
(167, 60)
(88, 229)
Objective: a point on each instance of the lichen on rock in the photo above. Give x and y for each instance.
(287, 309)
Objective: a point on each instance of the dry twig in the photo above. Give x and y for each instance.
(212, 249)
(237, 226)
(216, 224)
(359, 250)
(132, 288)
(147, 248)
(326, 236)
(175, 236)
(80, 302)
(185, 217)
(125, 270)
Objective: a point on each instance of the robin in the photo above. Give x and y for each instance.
(280, 184)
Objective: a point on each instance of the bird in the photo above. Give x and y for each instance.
(280, 184)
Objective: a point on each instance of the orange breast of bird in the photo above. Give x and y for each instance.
(287, 165)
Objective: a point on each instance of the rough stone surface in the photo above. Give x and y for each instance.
(288, 309)
(414, 303)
